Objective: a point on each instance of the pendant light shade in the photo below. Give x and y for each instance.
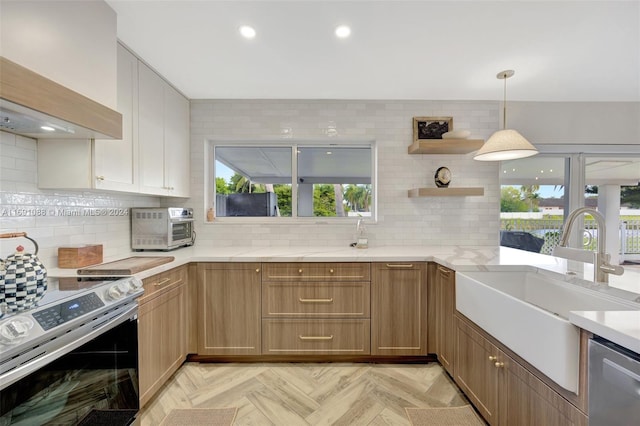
(506, 144)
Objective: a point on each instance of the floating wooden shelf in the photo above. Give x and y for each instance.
(445, 192)
(445, 146)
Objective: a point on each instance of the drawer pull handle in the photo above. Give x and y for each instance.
(299, 271)
(499, 364)
(331, 271)
(301, 300)
(399, 265)
(163, 282)
(316, 337)
(257, 269)
(443, 270)
(493, 358)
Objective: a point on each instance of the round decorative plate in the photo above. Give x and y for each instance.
(442, 177)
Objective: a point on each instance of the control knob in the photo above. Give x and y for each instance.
(13, 330)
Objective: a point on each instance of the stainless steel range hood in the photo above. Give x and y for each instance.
(34, 106)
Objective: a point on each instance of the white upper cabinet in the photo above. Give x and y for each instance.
(151, 158)
(116, 161)
(163, 136)
(101, 164)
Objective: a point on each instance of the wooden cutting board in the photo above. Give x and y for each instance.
(128, 266)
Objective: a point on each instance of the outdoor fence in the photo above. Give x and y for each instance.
(550, 230)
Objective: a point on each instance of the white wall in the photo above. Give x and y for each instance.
(47, 215)
(613, 123)
(401, 221)
(70, 42)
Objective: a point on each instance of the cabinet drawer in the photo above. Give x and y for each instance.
(350, 299)
(154, 284)
(316, 271)
(307, 337)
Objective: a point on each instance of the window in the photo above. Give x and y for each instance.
(299, 180)
(532, 202)
(537, 194)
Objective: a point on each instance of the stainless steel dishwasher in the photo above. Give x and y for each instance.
(614, 384)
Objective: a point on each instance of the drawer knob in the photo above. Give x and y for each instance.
(301, 300)
(299, 271)
(492, 358)
(331, 271)
(316, 337)
(499, 364)
(257, 269)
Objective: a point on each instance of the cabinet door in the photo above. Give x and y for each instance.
(525, 400)
(398, 309)
(151, 131)
(229, 317)
(476, 372)
(116, 161)
(176, 141)
(161, 339)
(445, 310)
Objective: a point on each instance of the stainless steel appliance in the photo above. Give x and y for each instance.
(614, 384)
(72, 359)
(161, 228)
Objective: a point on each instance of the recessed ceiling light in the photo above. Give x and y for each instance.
(48, 128)
(247, 31)
(343, 31)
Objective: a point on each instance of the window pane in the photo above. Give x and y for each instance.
(253, 181)
(532, 202)
(334, 181)
(612, 188)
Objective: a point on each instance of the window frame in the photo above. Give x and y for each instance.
(293, 143)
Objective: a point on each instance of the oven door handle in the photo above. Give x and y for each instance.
(48, 356)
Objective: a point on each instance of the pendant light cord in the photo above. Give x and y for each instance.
(504, 104)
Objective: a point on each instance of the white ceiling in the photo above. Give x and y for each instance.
(439, 50)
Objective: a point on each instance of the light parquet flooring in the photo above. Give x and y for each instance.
(291, 394)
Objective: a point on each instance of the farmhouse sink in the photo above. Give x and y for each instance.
(528, 312)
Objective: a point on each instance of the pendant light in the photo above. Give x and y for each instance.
(505, 144)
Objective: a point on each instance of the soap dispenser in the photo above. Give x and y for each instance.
(361, 235)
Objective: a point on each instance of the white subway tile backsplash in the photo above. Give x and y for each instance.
(428, 221)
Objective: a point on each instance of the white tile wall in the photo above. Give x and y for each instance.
(401, 221)
(56, 218)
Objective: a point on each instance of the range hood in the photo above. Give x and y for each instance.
(34, 106)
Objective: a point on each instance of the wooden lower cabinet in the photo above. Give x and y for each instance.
(399, 309)
(476, 373)
(502, 390)
(162, 324)
(229, 315)
(445, 307)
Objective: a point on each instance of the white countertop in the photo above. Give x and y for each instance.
(622, 328)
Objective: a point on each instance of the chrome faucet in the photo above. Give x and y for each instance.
(600, 259)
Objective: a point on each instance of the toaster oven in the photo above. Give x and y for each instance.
(161, 228)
